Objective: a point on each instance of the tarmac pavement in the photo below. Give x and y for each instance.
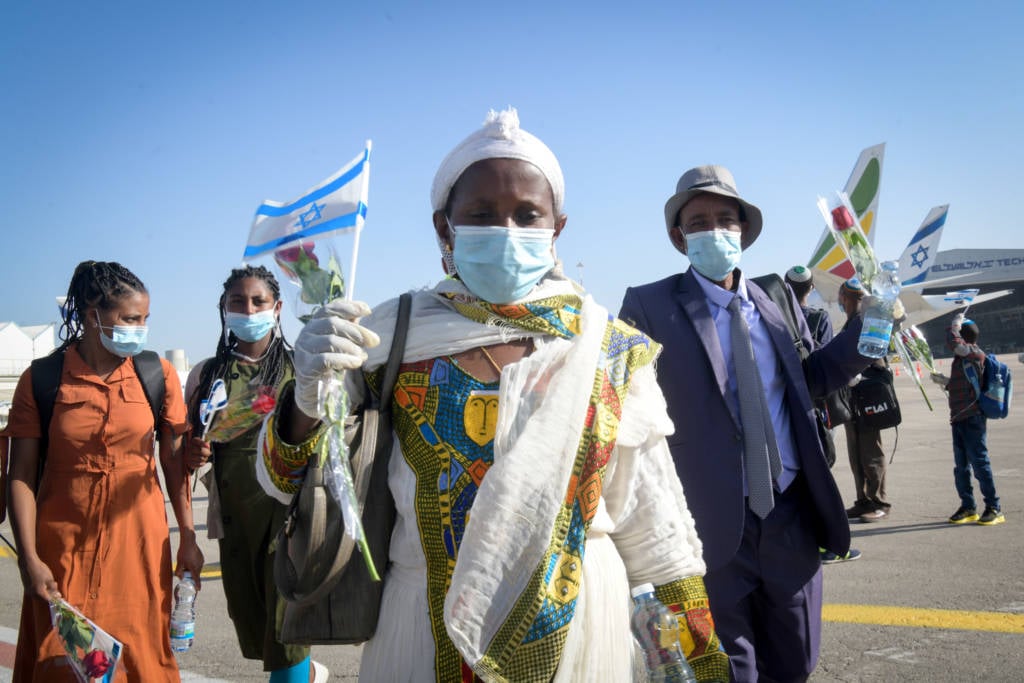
(928, 601)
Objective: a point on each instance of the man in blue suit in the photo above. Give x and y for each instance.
(764, 572)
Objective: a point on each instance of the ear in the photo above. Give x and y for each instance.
(678, 238)
(277, 309)
(442, 229)
(560, 224)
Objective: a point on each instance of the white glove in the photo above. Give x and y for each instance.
(957, 322)
(328, 344)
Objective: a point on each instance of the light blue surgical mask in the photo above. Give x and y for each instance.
(251, 328)
(714, 253)
(124, 340)
(501, 264)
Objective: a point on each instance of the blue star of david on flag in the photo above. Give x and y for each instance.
(309, 217)
(334, 206)
(919, 257)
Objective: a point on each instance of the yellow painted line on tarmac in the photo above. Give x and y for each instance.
(875, 615)
(960, 620)
(210, 571)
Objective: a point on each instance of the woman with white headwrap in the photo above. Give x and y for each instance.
(520, 530)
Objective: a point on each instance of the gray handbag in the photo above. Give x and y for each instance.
(329, 594)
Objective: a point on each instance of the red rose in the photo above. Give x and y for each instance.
(290, 258)
(842, 218)
(264, 403)
(96, 663)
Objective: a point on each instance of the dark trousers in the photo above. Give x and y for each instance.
(867, 461)
(970, 452)
(766, 602)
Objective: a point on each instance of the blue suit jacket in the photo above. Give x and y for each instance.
(707, 446)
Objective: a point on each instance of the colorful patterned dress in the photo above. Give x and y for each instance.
(528, 507)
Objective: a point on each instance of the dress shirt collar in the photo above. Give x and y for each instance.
(718, 295)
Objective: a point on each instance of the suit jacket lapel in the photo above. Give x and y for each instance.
(778, 329)
(691, 297)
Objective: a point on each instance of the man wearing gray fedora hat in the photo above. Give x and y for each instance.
(746, 444)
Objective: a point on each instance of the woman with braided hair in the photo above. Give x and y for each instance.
(253, 360)
(92, 528)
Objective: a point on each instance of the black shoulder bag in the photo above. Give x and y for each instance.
(874, 400)
(330, 597)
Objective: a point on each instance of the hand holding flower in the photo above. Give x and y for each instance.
(197, 453)
(330, 343)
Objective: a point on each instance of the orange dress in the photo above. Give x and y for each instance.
(101, 523)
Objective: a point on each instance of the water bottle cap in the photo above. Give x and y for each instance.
(642, 589)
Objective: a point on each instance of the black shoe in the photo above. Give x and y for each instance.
(829, 557)
(964, 515)
(856, 511)
(991, 516)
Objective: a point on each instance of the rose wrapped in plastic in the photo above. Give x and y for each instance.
(96, 663)
(244, 411)
(92, 653)
(303, 237)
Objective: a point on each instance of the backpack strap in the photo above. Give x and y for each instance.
(46, 374)
(776, 289)
(151, 374)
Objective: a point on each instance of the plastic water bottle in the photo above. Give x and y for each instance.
(183, 614)
(874, 336)
(657, 629)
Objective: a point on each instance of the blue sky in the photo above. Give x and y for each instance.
(148, 133)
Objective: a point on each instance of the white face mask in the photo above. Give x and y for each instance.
(124, 340)
(714, 253)
(501, 264)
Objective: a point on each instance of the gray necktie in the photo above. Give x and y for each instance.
(760, 450)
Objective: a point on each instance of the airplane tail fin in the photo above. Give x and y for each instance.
(862, 187)
(917, 258)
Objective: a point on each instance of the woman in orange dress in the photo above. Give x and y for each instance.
(93, 528)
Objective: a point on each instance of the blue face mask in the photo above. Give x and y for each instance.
(714, 253)
(124, 340)
(500, 264)
(251, 328)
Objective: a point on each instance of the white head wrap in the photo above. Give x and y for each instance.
(499, 138)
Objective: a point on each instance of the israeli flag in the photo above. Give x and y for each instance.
(917, 258)
(336, 205)
(964, 296)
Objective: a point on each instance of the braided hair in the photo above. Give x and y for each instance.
(95, 283)
(275, 361)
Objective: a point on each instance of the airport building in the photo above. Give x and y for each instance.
(1000, 320)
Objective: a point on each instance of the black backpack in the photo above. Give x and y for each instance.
(46, 374)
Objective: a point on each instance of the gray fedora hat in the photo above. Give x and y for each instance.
(716, 180)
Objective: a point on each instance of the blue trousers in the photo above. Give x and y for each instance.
(971, 453)
(766, 602)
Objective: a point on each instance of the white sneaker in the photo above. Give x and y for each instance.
(320, 672)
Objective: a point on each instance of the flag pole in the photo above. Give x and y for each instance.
(350, 287)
